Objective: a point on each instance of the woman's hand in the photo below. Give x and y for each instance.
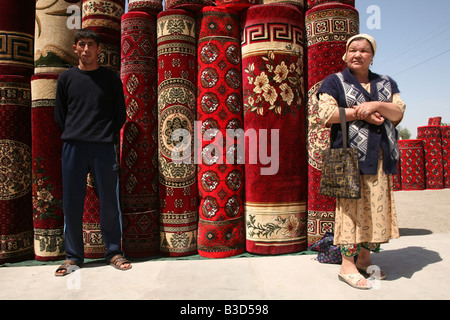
(364, 110)
(375, 118)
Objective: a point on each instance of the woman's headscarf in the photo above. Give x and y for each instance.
(364, 36)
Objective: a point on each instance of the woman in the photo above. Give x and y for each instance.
(373, 107)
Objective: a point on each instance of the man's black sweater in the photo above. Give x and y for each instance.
(90, 105)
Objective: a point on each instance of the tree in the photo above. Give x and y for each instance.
(403, 133)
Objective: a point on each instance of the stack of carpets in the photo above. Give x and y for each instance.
(16, 69)
(56, 24)
(432, 144)
(445, 138)
(328, 27)
(274, 123)
(138, 148)
(220, 111)
(177, 78)
(412, 164)
(103, 17)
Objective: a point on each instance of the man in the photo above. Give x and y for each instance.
(90, 110)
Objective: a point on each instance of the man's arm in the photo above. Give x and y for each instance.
(60, 106)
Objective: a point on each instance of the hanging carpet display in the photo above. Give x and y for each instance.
(274, 123)
(48, 216)
(139, 144)
(328, 27)
(431, 137)
(219, 107)
(176, 51)
(412, 164)
(16, 215)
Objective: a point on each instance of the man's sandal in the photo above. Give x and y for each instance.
(68, 266)
(353, 279)
(117, 261)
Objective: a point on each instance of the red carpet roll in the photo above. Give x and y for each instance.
(17, 37)
(274, 123)
(312, 3)
(412, 162)
(16, 215)
(300, 4)
(189, 5)
(103, 16)
(237, 5)
(328, 27)
(221, 229)
(48, 215)
(445, 134)
(177, 78)
(149, 6)
(434, 173)
(139, 147)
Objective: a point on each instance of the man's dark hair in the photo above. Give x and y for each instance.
(86, 34)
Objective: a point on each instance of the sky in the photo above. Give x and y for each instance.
(413, 39)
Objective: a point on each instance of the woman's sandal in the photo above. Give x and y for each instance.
(66, 266)
(375, 272)
(353, 279)
(117, 261)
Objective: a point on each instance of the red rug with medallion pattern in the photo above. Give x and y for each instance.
(219, 107)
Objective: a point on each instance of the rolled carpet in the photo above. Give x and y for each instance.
(176, 47)
(16, 211)
(48, 215)
(328, 27)
(17, 37)
(54, 36)
(274, 123)
(221, 229)
(139, 147)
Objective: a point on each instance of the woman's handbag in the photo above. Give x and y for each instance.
(340, 169)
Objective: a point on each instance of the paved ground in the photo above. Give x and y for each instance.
(417, 266)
